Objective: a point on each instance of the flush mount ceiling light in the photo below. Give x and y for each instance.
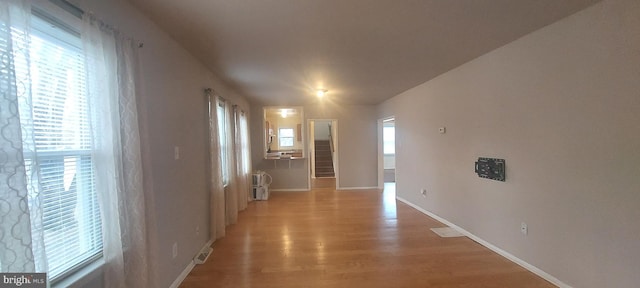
(320, 92)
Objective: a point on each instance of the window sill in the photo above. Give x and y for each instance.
(83, 276)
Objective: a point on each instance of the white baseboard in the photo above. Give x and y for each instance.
(357, 188)
(505, 254)
(188, 269)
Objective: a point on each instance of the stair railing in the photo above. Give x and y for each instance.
(331, 141)
(333, 150)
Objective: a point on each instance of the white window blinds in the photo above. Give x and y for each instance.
(286, 137)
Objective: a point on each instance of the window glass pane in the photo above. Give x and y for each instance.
(59, 102)
(286, 132)
(286, 137)
(222, 134)
(389, 140)
(244, 131)
(286, 142)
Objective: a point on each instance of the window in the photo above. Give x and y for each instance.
(389, 140)
(285, 136)
(224, 146)
(244, 136)
(71, 219)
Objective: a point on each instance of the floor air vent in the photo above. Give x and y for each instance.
(203, 255)
(447, 232)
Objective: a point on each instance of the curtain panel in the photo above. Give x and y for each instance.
(22, 246)
(226, 202)
(112, 59)
(216, 186)
(242, 149)
(231, 200)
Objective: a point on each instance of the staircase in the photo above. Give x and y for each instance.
(324, 163)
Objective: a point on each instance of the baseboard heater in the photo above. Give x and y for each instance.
(203, 255)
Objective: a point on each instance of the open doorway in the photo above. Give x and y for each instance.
(387, 153)
(323, 153)
(389, 150)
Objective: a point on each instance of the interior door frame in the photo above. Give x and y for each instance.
(311, 138)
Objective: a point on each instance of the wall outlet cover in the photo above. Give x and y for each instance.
(174, 250)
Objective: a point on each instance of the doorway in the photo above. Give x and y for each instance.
(387, 152)
(323, 153)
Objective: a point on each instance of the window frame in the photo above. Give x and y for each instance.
(56, 25)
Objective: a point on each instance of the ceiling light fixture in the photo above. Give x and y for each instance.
(320, 92)
(284, 113)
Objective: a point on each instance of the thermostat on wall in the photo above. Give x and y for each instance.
(491, 168)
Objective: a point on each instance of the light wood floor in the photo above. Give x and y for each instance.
(317, 183)
(329, 238)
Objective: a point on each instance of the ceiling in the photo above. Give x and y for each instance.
(279, 52)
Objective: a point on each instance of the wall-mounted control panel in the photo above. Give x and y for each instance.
(491, 168)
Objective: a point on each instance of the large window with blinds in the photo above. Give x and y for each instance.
(60, 123)
(244, 142)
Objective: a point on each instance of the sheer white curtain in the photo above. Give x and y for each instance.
(216, 186)
(111, 61)
(238, 192)
(243, 160)
(226, 202)
(21, 233)
(232, 188)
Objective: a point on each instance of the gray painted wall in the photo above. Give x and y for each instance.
(561, 105)
(321, 130)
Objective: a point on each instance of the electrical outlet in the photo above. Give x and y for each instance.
(198, 230)
(442, 130)
(524, 229)
(176, 152)
(174, 252)
(423, 192)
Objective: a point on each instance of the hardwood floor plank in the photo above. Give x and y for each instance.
(329, 238)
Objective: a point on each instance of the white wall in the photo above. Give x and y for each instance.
(357, 147)
(321, 131)
(562, 106)
(173, 113)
